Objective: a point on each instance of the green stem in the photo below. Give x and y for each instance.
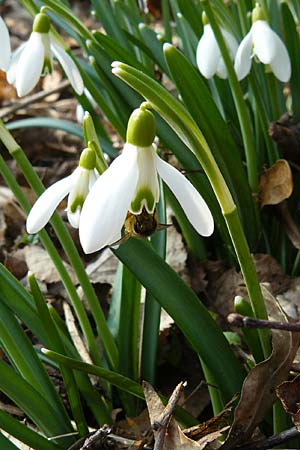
(264, 120)
(240, 104)
(273, 96)
(70, 250)
(249, 274)
(67, 282)
(182, 123)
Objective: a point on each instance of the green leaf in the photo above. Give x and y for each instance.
(20, 352)
(24, 434)
(32, 403)
(187, 311)
(201, 106)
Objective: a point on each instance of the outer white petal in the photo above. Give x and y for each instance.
(264, 44)
(208, 53)
(242, 63)
(46, 204)
(189, 198)
(5, 46)
(105, 208)
(231, 42)
(281, 64)
(30, 64)
(221, 69)
(70, 68)
(11, 73)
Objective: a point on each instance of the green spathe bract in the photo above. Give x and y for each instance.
(141, 128)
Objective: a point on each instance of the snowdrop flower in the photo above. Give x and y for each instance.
(130, 184)
(34, 58)
(208, 56)
(76, 186)
(5, 46)
(266, 45)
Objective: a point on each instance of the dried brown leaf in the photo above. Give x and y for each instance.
(258, 392)
(289, 394)
(276, 183)
(41, 265)
(174, 438)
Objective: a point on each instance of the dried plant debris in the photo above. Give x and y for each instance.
(258, 392)
(276, 184)
(167, 433)
(289, 394)
(287, 135)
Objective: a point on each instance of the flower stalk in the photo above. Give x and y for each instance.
(240, 105)
(70, 250)
(182, 123)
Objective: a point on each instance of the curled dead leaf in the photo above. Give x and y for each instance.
(275, 184)
(289, 394)
(258, 392)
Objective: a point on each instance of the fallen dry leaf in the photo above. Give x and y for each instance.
(258, 392)
(41, 265)
(276, 184)
(174, 438)
(289, 394)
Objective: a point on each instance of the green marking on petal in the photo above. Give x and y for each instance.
(47, 67)
(41, 23)
(77, 203)
(145, 198)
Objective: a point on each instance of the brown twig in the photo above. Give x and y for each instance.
(272, 441)
(161, 424)
(249, 322)
(32, 99)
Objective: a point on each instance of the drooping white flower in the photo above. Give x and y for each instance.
(130, 184)
(208, 56)
(76, 186)
(5, 52)
(262, 42)
(34, 58)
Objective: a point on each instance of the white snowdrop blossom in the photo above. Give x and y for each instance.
(34, 58)
(262, 42)
(208, 56)
(5, 53)
(76, 186)
(130, 184)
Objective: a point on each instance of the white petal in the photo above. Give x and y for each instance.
(79, 113)
(264, 45)
(74, 218)
(208, 53)
(46, 204)
(195, 208)
(281, 64)
(70, 68)
(147, 180)
(231, 43)
(30, 64)
(221, 69)
(11, 73)
(243, 61)
(5, 53)
(105, 208)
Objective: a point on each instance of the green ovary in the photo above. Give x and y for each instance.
(144, 197)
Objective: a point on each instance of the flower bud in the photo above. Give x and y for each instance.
(87, 159)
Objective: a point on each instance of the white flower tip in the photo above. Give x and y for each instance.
(142, 25)
(87, 244)
(116, 64)
(44, 350)
(167, 46)
(31, 226)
